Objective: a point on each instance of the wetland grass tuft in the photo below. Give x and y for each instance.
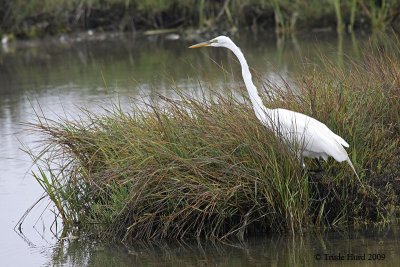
(206, 167)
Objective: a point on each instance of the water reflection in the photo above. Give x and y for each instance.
(312, 249)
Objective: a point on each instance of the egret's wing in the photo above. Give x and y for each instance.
(310, 133)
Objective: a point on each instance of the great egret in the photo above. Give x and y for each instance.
(314, 139)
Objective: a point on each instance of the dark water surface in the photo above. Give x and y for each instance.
(58, 78)
(362, 247)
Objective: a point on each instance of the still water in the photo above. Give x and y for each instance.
(57, 78)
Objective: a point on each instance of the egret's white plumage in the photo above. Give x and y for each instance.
(313, 138)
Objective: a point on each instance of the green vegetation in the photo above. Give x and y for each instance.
(206, 167)
(38, 18)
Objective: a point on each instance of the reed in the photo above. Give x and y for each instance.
(50, 17)
(379, 14)
(339, 19)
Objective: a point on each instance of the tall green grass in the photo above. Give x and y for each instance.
(205, 166)
(38, 18)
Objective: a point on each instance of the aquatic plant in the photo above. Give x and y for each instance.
(379, 13)
(39, 18)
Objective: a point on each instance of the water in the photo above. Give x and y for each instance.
(57, 78)
(366, 247)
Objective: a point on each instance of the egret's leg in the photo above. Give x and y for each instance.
(319, 164)
(301, 160)
(320, 168)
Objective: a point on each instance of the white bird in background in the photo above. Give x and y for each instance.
(313, 138)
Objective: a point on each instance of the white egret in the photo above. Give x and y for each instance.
(314, 139)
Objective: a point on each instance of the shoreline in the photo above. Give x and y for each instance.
(138, 16)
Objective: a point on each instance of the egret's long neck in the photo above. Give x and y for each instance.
(255, 98)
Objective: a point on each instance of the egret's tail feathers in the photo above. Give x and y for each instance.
(352, 167)
(340, 140)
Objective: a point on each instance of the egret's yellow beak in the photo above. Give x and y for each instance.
(203, 44)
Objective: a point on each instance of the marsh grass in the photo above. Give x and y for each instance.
(40, 18)
(205, 167)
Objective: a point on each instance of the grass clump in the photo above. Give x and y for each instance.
(206, 167)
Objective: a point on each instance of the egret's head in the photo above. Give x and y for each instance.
(220, 41)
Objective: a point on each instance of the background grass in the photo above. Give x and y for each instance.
(39, 18)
